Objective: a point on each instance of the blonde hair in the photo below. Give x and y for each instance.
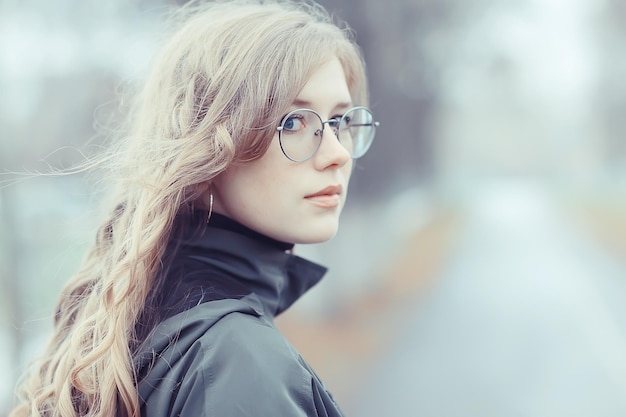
(214, 98)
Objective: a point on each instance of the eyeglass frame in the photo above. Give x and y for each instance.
(330, 122)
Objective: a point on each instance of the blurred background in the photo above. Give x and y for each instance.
(480, 268)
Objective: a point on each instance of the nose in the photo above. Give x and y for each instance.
(331, 152)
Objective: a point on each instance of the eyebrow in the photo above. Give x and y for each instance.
(305, 103)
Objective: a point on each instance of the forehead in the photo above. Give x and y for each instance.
(326, 88)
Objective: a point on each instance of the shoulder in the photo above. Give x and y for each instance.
(247, 349)
(242, 341)
(248, 366)
(227, 326)
(240, 360)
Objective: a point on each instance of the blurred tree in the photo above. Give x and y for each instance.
(611, 92)
(10, 296)
(407, 46)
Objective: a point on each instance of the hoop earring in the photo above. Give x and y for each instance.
(210, 208)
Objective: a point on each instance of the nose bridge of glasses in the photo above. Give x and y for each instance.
(333, 124)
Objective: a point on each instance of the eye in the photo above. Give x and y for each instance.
(345, 121)
(294, 123)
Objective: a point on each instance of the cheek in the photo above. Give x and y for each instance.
(347, 170)
(255, 186)
(251, 185)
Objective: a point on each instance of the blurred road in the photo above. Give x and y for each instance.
(526, 319)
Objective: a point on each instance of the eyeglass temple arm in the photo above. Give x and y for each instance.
(367, 124)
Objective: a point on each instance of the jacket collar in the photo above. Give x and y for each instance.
(251, 262)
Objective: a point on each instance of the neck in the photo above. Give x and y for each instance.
(220, 221)
(226, 260)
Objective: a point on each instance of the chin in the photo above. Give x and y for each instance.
(320, 234)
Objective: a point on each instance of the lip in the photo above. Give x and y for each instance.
(327, 197)
(330, 190)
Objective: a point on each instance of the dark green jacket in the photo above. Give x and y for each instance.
(219, 353)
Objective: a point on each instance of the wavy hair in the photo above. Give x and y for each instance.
(214, 96)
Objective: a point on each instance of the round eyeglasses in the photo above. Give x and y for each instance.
(300, 132)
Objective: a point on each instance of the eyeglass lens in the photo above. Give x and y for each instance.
(301, 132)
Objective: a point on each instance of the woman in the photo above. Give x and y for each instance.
(242, 145)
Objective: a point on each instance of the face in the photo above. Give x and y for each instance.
(295, 202)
